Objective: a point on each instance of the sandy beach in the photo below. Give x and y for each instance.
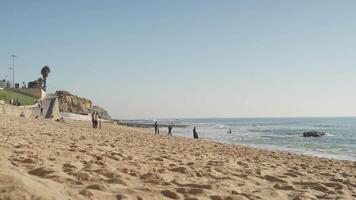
(44, 159)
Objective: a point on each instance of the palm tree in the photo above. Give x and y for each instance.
(45, 71)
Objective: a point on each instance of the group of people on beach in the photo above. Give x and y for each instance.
(96, 120)
(170, 128)
(15, 102)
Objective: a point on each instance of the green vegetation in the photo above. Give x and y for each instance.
(24, 100)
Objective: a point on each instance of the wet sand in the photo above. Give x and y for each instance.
(43, 159)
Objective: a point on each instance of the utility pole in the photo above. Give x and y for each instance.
(9, 81)
(13, 70)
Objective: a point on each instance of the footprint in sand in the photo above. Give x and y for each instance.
(314, 185)
(191, 185)
(151, 178)
(41, 171)
(304, 197)
(283, 187)
(116, 180)
(192, 191)
(169, 194)
(274, 179)
(190, 163)
(216, 197)
(182, 170)
(23, 160)
(97, 186)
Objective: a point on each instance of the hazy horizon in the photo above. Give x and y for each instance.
(189, 59)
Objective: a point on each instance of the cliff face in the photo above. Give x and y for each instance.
(78, 105)
(102, 112)
(73, 104)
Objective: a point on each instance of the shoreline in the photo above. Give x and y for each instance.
(303, 152)
(295, 150)
(54, 160)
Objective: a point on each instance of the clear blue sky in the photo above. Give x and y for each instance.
(151, 59)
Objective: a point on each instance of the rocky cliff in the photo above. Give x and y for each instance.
(102, 112)
(78, 105)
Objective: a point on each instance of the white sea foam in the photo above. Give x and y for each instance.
(329, 134)
(281, 134)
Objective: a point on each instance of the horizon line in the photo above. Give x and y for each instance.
(267, 117)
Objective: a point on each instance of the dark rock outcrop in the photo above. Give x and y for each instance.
(313, 134)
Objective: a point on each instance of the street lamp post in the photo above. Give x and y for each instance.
(10, 68)
(13, 70)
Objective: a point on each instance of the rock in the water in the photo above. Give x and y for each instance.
(313, 134)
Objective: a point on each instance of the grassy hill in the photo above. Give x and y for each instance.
(6, 95)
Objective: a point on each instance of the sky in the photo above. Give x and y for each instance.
(186, 59)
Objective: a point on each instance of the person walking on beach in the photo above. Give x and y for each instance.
(195, 133)
(41, 110)
(170, 127)
(99, 122)
(40, 105)
(93, 119)
(156, 128)
(96, 120)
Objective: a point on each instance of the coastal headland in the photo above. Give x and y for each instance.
(45, 159)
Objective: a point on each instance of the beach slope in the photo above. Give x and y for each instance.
(43, 159)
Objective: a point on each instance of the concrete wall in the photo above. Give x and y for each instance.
(78, 117)
(16, 111)
(72, 116)
(56, 114)
(30, 111)
(34, 92)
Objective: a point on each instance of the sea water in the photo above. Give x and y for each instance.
(283, 134)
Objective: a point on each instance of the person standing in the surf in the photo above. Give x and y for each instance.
(195, 133)
(156, 128)
(170, 127)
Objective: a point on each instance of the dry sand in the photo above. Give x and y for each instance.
(41, 159)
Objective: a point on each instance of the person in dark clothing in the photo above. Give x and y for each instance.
(195, 134)
(96, 120)
(156, 128)
(93, 119)
(40, 105)
(170, 127)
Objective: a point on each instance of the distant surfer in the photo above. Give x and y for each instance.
(229, 131)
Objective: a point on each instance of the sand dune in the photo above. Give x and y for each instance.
(42, 159)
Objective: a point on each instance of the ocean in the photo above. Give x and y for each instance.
(282, 134)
